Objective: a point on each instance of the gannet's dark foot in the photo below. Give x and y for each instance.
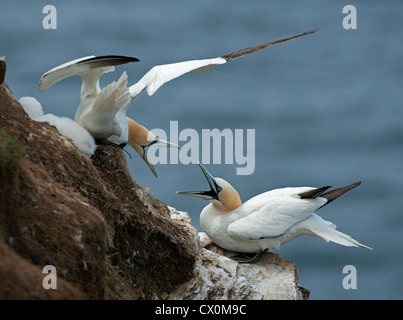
(105, 142)
(122, 145)
(249, 257)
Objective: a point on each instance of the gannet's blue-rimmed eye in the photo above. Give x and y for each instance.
(219, 189)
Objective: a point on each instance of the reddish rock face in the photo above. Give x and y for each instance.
(107, 237)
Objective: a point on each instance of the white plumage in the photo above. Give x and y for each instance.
(31, 106)
(66, 126)
(268, 220)
(103, 112)
(162, 74)
(100, 114)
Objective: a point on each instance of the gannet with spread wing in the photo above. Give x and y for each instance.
(103, 112)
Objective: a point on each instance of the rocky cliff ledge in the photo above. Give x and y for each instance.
(107, 237)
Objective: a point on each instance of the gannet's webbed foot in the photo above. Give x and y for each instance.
(249, 257)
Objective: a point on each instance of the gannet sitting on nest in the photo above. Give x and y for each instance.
(268, 220)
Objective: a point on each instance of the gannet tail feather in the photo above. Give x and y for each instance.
(345, 240)
(327, 231)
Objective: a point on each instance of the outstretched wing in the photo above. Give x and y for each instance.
(161, 74)
(274, 217)
(82, 66)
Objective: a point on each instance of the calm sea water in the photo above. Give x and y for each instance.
(326, 108)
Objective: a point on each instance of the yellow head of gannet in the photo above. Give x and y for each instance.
(222, 194)
(141, 138)
(267, 220)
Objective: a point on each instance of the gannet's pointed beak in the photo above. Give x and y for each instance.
(212, 194)
(142, 151)
(159, 143)
(162, 143)
(149, 164)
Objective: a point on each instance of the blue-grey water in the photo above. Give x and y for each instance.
(326, 108)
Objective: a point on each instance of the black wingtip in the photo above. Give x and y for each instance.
(311, 194)
(335, 193)
(313, 31)
(249, 50)
(108, 60)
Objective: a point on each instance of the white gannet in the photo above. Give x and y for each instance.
(103, 112)
(98, 109)
(268, 220)
(80, 137)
